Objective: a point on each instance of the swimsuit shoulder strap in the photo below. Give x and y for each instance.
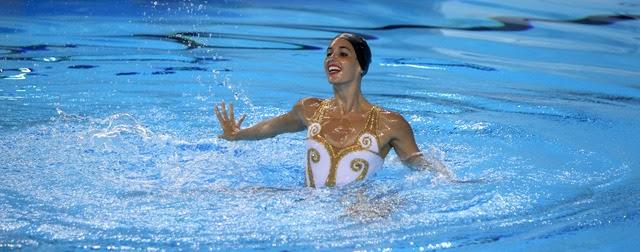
(317, 116)
(372, 120)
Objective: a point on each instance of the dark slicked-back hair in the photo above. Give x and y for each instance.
(363, 53)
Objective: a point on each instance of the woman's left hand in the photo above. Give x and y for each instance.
(230, 127)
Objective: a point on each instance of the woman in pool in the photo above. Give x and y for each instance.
(347, 137)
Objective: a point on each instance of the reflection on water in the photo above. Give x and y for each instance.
(108, 139)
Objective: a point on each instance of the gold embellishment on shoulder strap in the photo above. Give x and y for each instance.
(372, 120)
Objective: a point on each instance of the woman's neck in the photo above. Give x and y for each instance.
(349, 97)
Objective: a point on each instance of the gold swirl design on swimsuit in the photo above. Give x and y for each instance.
(314, 129)
(312, 156)
(365, 141)
(359, 164)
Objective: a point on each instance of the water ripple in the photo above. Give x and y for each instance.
(109, 141)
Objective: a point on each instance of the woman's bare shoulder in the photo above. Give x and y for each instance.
(310, 101)
(390, 116)
(393, 120)
(307, 106)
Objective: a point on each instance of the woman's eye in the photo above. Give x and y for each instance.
(344, 54)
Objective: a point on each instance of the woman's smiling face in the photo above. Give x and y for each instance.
(341, 64)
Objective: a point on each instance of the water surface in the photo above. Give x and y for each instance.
(108, 139)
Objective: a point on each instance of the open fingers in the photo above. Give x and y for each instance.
(224, 118)
(241, 119)
(231, 115)
(218, 114)
(224, 112)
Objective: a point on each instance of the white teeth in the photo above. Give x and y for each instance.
(334, 68)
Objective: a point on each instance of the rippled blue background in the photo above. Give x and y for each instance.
(108, 139)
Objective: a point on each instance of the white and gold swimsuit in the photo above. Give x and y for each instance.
(329, 166)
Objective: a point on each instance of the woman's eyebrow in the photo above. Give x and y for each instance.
(345, 48)
(329, 48)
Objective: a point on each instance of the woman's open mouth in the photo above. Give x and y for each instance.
(333, 69)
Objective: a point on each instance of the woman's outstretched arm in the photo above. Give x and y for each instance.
(232, 130)
(421, 162)
(404, 144)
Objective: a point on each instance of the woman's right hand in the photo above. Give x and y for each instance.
(230, 127)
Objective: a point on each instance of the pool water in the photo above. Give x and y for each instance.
(108, 137)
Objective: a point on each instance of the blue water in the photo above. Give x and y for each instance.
(108, 138)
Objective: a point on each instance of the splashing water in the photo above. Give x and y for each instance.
(108, 138)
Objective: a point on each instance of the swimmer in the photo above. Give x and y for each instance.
(348, 138)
